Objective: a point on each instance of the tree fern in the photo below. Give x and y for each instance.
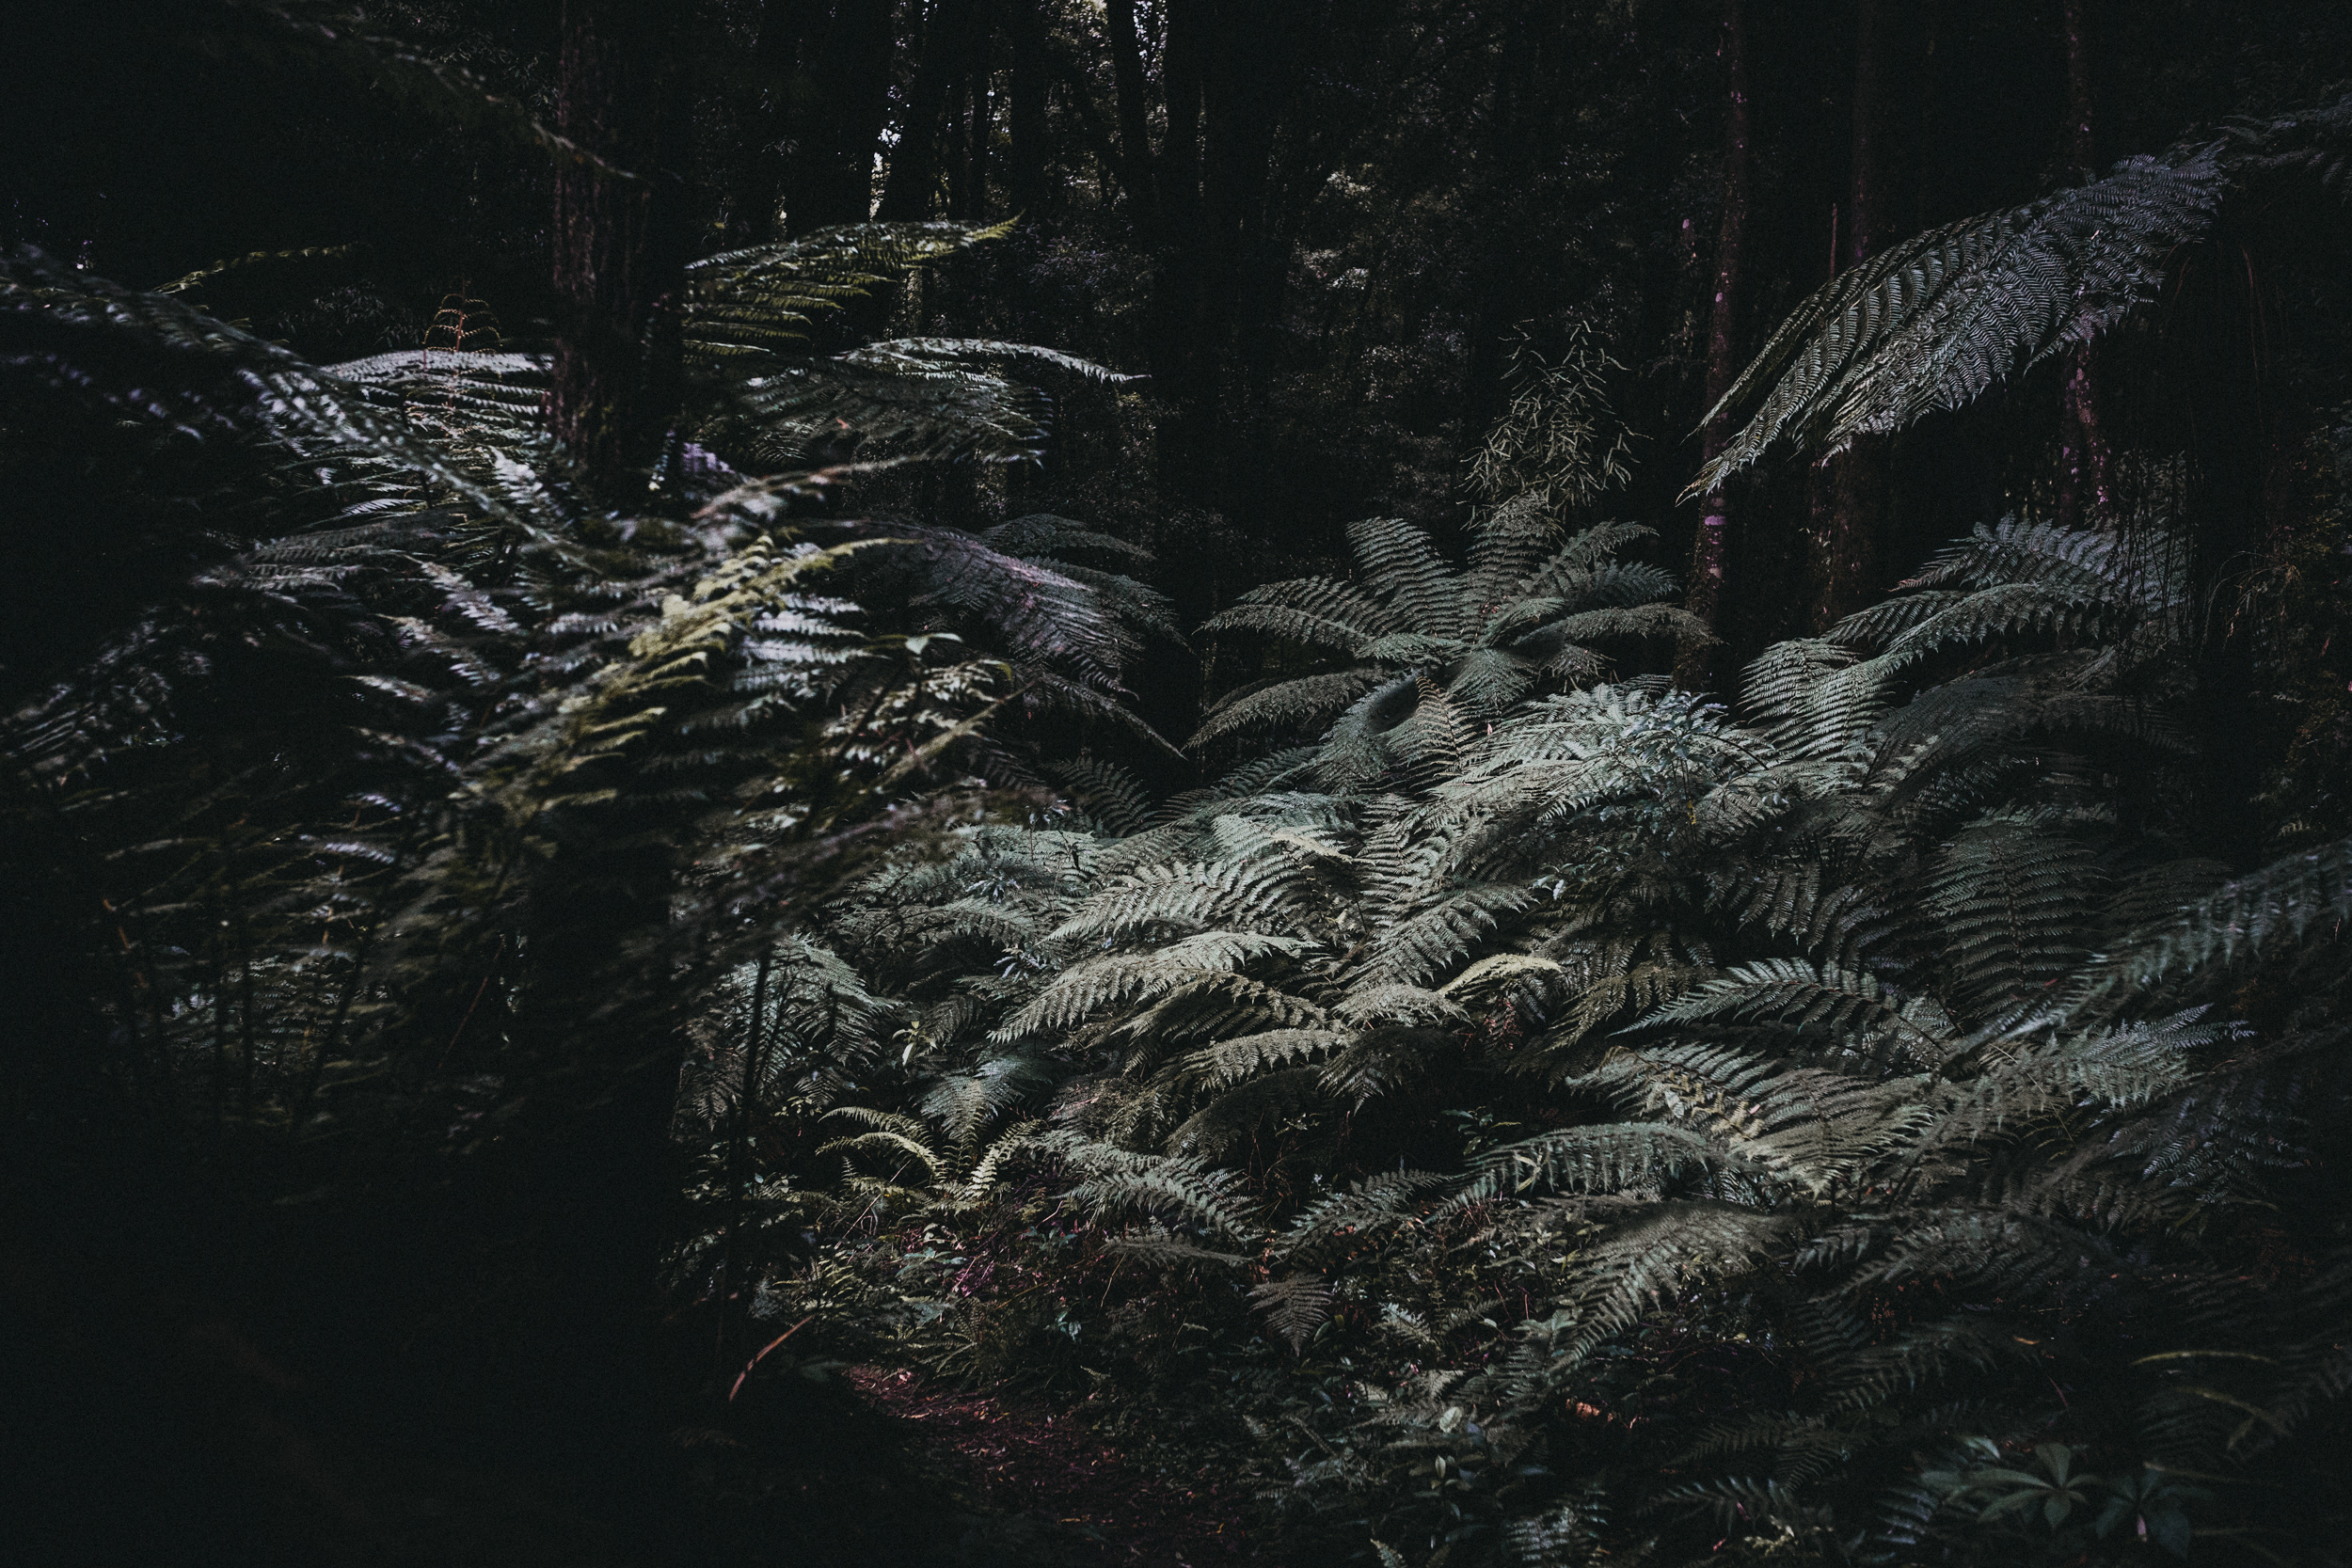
(1932, 323)
(1427, 639)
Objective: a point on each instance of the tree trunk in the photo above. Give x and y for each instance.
(1710, 552)
(1249, 82)
(620, 245)
(1850, 492)
(809, 145)
(1183, 76)
(1026, 178)
(764, 159)
(915, 168)
(1135, 142)
(973, 188)
(855, 69)
(2086, 489)
(1182, 368)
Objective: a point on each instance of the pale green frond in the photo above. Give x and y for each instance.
(964, 1103)
(2244, 920)
(1115, 1183)
(1294, 1307)
(1434, 941)
(1276, 889)
(1393, 1002)
(1112, 796)
(1612, 1158)
(1230, 1061)
(1371, 1207)
(2013, 900)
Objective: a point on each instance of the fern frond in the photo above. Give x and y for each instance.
(1287, 705)
(2243, 920)
(1093, 984)
(1114, 1182)
(1933, 322)
(1843, 1010)
(1359, 1217)
(1294, 1307)
(1243, 1109)
(1410, 574)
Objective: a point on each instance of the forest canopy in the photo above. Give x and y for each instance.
(1159, 780)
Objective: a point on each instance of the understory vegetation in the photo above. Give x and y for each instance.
(588, 876)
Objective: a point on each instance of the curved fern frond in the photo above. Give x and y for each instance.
(1088, 987)
(1410, 574)
(2243, 920)
(766, 298)
(1843, 1010)
(1288, 704)
(1935, 321)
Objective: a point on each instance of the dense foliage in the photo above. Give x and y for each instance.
(584, 857)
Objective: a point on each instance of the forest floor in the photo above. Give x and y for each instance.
(1010, 1455)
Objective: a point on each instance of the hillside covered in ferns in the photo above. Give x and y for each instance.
(986, 782)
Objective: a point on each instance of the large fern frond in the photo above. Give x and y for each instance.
(1932, 323)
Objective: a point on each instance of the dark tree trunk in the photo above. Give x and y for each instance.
(785, 26)
(915, 168)
(1184, 373)
(1249, 91)
(1228, 74)
(810, 143)
(587, 1180)
(1850, 492)
(1026, 178)
(2085, 482)
(1135, 142)
(620, 243)
(1710, 551)
(1506, 146)
(854, 72)
(973, 188)
(1183, 77)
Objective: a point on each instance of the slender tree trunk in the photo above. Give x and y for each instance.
(1182, 368)
(1184, 75)
(1850, 515)
(1506, 147)
(1710, 598)
(1135, 141)
(1256, 43)
(1026, 179)
(810, 142)
(915, 168)
(764, 158)
(852, 95)
(2085, 487)
(620, 245)
(980, 121)
(585, 1182)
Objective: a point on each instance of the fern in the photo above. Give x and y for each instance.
(1438, 649)
(1934, 322)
